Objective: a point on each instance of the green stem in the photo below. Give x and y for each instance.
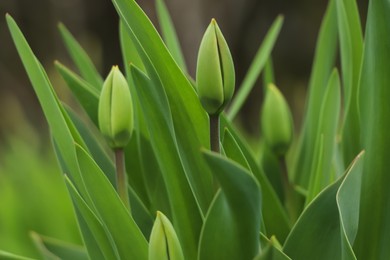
(121, 177)
(214, 133)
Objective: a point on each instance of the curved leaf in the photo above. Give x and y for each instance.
(231, 228)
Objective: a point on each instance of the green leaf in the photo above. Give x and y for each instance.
(274, 216)
(187, 218)
(233, 151)
(328, 225)
(374, 225)
(351, 50)
(323, 65)
(81, 59)
(320, 174)
(52, 248)
(231, 228)
(169, 34)
(269, 75)
(187, 113)
(62, 129)
(256, 67)
(86, 94)
(95, 226)
(7, 255)
(111, 210)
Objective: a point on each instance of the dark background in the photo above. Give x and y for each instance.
(94, 23)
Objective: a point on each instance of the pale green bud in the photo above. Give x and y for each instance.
(276, 121)
(164, 244)
(115, 110)
(215, 76)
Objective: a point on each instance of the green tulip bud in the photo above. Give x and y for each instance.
(115, 110)
(276, 121)
(164, 243)
(215, 77)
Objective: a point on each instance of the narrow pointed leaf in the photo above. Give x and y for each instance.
(321, 70)
(81, 59)
(169, 34)
(87, 95)
(256, 67)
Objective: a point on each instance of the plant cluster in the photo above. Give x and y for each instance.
(159, 171)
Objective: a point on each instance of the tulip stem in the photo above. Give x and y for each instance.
(121, 177)
(214, 133)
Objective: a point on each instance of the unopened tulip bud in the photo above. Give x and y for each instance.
(215, 76)
(115, 112)
(276, 121)
(164, 243)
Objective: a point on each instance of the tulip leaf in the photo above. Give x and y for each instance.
(111, 210)
(169, 34)
(351, 50)
(56, 249)
(324, 61)
(328, 225)
(95, 226)
(87, 95)
(186, 213)
(325, 146)
(374, 96)
(81, 59)
(256, 67)
(228, 218)
(274, 215)
(233, 151)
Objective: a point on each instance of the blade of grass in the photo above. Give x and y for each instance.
(255, 68)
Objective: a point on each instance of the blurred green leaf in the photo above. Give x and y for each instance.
(228, 217)
(323, 65)
(327, 226)
(272, 251)
(87, 95)
(187, 218)
(256, 67)
(374, 96)
(320, 175)
(81, 59)
(52, 248)
(269, 75)
(7, 255)
(233, 151)
(169, 34)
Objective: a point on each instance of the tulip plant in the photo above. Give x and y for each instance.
(158, 170)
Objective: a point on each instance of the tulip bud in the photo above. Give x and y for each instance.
(164, 243)
(115, 110)
(276, 121)
(215, 77)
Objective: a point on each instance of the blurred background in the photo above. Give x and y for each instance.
(26, 160)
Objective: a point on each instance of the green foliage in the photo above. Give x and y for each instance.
(301, 205)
